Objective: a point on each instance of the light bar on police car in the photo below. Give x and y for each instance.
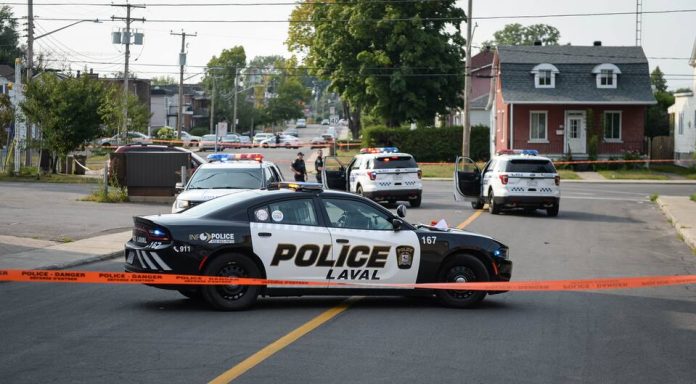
(528, 152)
(379, 150)
(297, 186)
(235, 156)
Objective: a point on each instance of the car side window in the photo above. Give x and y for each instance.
(344, 213)
(291, 212)
(269, 176)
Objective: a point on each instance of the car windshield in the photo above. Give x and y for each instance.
(208, 137)
(392, 162)
(226, 178)
(530, 166)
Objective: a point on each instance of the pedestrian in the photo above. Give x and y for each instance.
(298, 167)
(319, 165)
(277, 139)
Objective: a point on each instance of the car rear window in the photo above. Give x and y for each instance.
(530, 166)
(391, 162)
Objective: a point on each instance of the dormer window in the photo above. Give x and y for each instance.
(606, 75)
(545, 76)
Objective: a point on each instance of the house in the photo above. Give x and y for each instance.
(571, 101)
(683, 113)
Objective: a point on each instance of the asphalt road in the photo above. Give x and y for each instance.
(137, 334)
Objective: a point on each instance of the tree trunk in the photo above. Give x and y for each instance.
(354, 123)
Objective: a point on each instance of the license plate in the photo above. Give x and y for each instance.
(397, 177)
(532, 183)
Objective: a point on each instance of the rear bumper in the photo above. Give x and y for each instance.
(394, 194)
(527, 201)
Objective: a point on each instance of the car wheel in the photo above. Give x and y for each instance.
(461, 268)
(493, 208)
(232, 297)
(415, 203)
(553, 211)
(359, 191)
(193, 294)
(106, 144)
(478, 204)
(265, 145)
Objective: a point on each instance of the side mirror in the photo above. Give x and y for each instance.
(401, 210)
(179, 187)
(396, 223)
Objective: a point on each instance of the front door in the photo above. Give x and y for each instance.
(467, 180)
(577, 141)
(333, 175)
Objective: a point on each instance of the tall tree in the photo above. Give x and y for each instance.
(517, 34)
(657, 78)
(399, 60)
(163, 80)
(6, 117)
(111, 111)
(9, 38)
(221, 70)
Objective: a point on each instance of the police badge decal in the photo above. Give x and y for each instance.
(404, 256)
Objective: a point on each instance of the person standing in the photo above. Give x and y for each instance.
(319, 165)
(298, 167)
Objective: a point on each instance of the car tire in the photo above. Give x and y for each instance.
(415, 203)
(493, 208)
(265, 145)
(461, 268)
(359, 191)
(193, 294)
(553, 210)
(478, 204)
(232, 297)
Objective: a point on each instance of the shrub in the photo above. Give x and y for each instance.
(166, 133)
(200, 131)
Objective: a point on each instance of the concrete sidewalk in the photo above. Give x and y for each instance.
(681, 211)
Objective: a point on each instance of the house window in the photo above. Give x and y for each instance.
(545, 76)
(612, 126)
(538, 127)
(681, 123)
(606, 75)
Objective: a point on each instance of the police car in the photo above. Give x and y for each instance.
(512, 179)
(300, 232)
(223, 175)
(381, 174)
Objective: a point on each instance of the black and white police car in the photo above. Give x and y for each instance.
(381, 174)
(300, 232)
(511, 179)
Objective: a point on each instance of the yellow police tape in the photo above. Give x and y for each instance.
(172, 279)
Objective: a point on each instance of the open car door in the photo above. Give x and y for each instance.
(467, 181)
(333, 175)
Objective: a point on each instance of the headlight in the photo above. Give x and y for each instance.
(503, 253)
(183, 204)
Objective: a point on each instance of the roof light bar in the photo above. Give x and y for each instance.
(379, 150)
(234, 156)
(528, 152)
(297, 186)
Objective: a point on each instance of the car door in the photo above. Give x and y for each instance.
(333, 175)
(288, 238)
(366, 247)
(467, 180)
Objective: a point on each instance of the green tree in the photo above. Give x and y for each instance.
(66, 110)
(400, 60)
(111, 112)
(682, 90)
(163, 80)
(657, 118)
(9, 38)
(289, 102)
(6, 117)
(517, 34)
(657, 78)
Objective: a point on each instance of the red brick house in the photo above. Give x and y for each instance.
(571, 100)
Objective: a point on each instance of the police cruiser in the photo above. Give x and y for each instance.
(512, 179)
(226, 174)
(381, 174)
(300, 232)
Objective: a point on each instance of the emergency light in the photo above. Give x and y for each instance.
(379, 150)
(234, 156)
(528, 152)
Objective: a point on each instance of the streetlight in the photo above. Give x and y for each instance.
(67, 26)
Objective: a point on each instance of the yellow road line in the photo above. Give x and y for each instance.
(283, 342)
(471, 219)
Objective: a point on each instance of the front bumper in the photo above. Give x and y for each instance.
(393, 194)
(504, 269)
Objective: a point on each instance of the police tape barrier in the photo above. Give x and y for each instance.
(172, 279)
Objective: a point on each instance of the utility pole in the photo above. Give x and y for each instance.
(467, 86)
(639, 23)
(234, 114)
(182, 63)
(127, 38)
(212, 108)
(30, 65)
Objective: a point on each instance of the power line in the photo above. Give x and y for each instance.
(295, 3)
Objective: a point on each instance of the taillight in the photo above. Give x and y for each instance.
(557, 180)
(503, 179)
(157, 234)
(373, 175)
(420, 174)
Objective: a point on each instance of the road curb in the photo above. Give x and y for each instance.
(84, 261)
(688, 237)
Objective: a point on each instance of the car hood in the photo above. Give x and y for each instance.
(206, 194)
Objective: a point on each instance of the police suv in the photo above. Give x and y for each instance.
(381, 174)
(224, 175)
(512, 179)
(300, 232)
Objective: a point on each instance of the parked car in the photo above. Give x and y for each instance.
(245, 141)
(291, 132)
(325, 122)
(321, 141)
(133, 138)
(301, 123)
(286, 141)
(259, 137)
(230, 141)
(208, 143)
(189, 140)
(196, 160)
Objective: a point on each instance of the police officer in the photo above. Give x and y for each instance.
(298, 167)
(319, 165)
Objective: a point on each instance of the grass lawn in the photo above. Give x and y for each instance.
(633, 174)
(689, 173)
(567, 174)
(58, 178)
(97, 162)
(693, 197)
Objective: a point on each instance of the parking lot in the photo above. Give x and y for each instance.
(139, 334)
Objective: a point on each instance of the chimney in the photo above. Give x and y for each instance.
(537, 43)
(597, 43)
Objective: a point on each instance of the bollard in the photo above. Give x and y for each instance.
(106, 178)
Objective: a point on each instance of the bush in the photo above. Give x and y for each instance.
(429, 144)
(166, 133)
(200, 131)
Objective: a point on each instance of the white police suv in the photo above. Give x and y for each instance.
(512, 179)
(226, 174)
(381, 174)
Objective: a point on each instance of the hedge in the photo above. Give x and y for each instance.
(430, 144)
